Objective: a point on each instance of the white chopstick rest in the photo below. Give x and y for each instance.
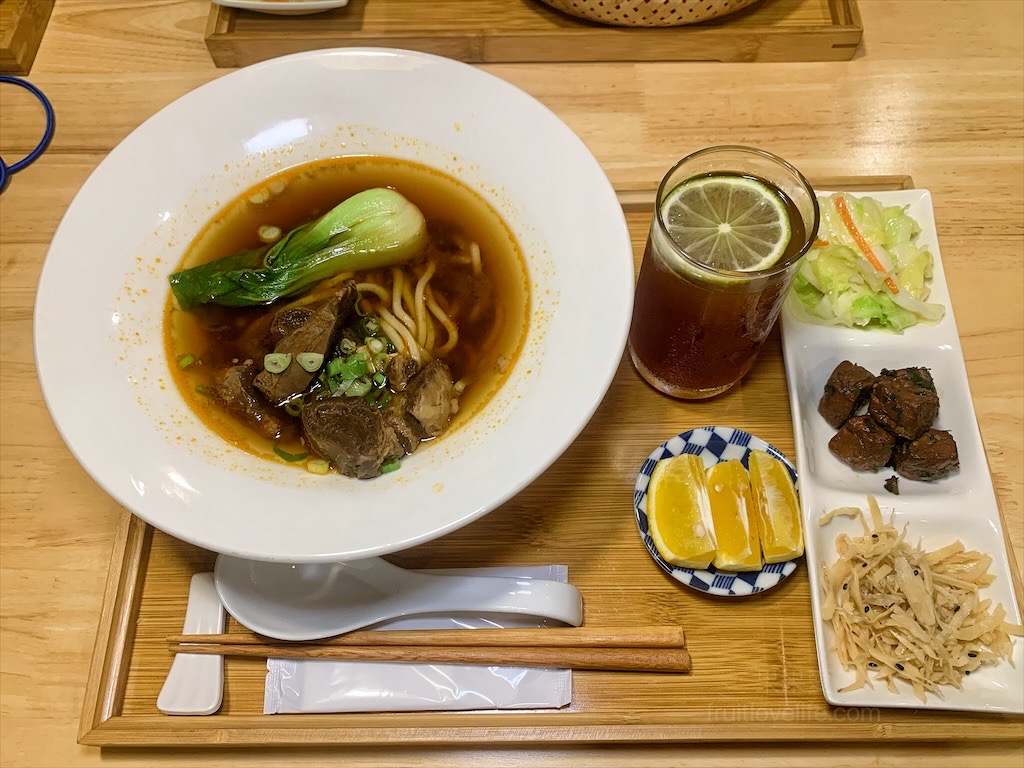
(195, 684)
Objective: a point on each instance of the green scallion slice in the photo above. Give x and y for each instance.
(390, 466)
(318, 466)
(290, 456)
(359, 387)
(310, 361)
(276, 362)
(186, 360)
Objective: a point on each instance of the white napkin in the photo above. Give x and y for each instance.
(323, 685)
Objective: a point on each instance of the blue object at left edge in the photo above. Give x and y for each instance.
(8, 170)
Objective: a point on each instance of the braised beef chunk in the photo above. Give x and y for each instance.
(317, 334)
(287, 321)
(429, 399)
(234, 391)
(352, 434)
(920, 377)
(400, 370)
(862, 444)
(846, 390)
(904, 403)
(406, 428)
(931, 456)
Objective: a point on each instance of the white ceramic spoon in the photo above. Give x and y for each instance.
(195, 684)
(312, 601)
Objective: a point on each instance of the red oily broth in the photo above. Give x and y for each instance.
(490, 339)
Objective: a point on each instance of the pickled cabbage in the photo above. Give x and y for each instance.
(841, 285)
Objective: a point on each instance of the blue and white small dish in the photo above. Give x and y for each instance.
(712, 445)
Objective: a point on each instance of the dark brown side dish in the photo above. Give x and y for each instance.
(886, 420)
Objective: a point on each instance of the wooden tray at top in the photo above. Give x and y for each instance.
(22, 24)
(492, 31)
(755, 673)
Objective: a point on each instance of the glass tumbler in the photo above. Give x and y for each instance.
(698, 326)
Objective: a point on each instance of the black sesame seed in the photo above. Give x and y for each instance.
(863, 565)
(956, 609)
(874, 535)
(917, 572)
(846, 586)
(900, 667)
(867, 608)
(872, 664)
(967, 672)
(973, 655)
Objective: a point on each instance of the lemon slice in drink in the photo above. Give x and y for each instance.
(728, 222)
(679, 512)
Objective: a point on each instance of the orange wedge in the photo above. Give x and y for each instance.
(732, 508)
(679, 512)
(776, 508)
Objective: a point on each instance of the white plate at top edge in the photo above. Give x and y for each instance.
(962, 506)
(284, 7)
(712, 445)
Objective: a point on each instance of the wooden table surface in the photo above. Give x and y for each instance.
(936, 92)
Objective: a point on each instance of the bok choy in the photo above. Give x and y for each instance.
(372, 229)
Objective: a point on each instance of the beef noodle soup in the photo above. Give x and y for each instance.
(353, 371)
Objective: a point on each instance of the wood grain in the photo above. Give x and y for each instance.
(492, 31)
(936, 91)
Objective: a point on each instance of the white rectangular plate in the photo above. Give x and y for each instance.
(961, 506)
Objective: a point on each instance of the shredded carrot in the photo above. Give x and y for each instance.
(820, 243)
(844, 214)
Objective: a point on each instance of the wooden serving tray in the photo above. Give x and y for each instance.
(493, 31)
(755, 674)
(22, 24)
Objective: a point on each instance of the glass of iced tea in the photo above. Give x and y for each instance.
(730, 226)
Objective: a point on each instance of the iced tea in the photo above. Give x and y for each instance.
(697, 328)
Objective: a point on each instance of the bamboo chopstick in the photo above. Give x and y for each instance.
(608, 659)
(575, 637)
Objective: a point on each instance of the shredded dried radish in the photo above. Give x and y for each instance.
(901, 612)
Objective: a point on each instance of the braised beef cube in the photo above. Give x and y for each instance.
(234, 391)
(287, 321)
(406, 428)
(400, 370)
(862, 444)
(352, 434)
(845, 391)
(921, 377)
(429, 399)
(931, 456)
(317, 334)
(902, 405)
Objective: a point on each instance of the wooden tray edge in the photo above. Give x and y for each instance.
(108, 671)
(835, 41)
(102, 724)
(21, 42)
(322, 730)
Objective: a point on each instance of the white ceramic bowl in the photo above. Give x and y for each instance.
(99, 310)
(284, 7)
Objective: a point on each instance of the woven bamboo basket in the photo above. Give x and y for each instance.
(648, 13)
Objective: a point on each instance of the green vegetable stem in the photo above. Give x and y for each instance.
(372, 229)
